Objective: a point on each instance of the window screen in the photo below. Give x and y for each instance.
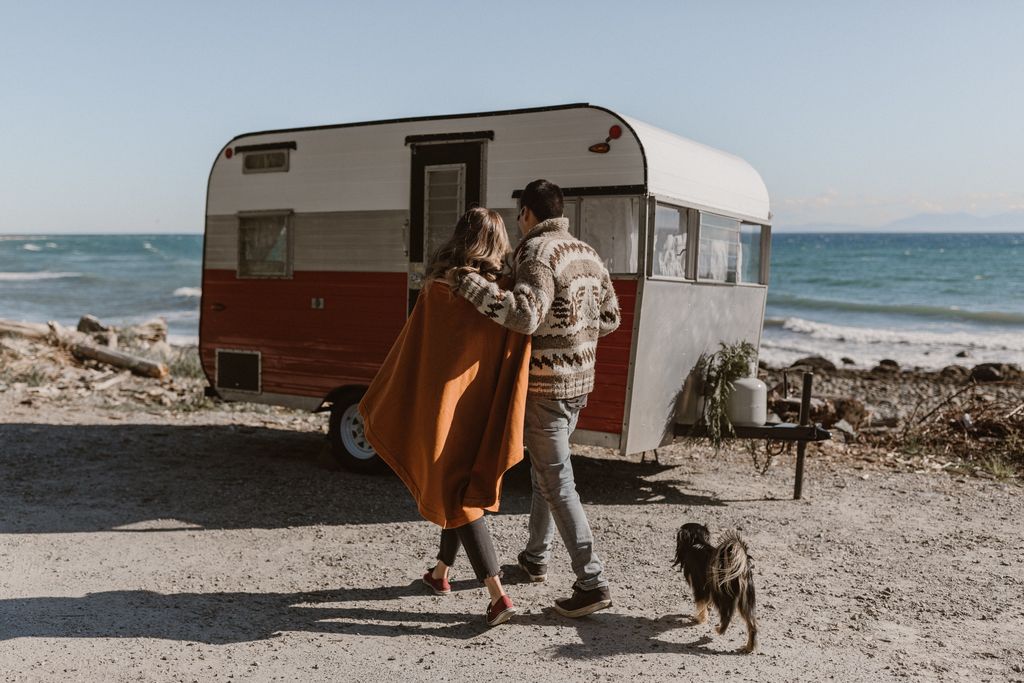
(444, 202)
(611, 226)
(718, 257)
(669, 242)
(264, 248)
(750, 253)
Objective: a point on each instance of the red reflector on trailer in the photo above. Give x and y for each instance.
(600, 148)
(615, 132)
(229, 152)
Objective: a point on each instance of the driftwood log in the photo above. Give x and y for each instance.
(81, 346)
(119, 359)
(26, 330)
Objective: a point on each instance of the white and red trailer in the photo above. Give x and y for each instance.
(316, 240)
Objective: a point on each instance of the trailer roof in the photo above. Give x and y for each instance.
(675, 168)
(695, 174)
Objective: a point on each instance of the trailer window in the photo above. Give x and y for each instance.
(571, 210)
(750, 253)
(669, 242)
(264, 247)
(611, 226)
(719, 249)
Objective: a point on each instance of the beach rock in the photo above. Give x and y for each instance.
(886, 365)
(846, 429)
(848, 361)
(995, 372)
(986, 373)
(956, 372)
(822, 410)
(850, 410)
(884, 421)
(815, 363)
(963, 354)
(90, 323)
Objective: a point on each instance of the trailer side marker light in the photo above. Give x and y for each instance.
(229, 152)
(615, 132)
(600, 148)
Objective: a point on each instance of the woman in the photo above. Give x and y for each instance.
(446, 409)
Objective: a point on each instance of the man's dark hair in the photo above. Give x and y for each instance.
(544, 199)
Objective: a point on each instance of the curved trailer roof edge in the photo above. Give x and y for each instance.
(675, 167)
(685, 170)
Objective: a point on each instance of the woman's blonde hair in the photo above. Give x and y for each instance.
(478, 245)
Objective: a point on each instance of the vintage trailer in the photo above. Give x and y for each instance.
(316, 240)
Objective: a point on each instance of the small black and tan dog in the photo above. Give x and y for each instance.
(722, 574)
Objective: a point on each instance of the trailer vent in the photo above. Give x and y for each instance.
(238, 370)
(265, 162)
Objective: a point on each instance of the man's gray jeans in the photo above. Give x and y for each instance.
(549, 422)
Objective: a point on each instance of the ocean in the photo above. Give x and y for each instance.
(919, 299)
(121, 279)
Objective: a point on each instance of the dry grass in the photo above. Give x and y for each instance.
(970, 428)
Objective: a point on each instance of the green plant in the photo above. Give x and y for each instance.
(1000, 468)
(719, 370)
(32, 376)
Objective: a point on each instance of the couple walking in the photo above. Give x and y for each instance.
(490, 361)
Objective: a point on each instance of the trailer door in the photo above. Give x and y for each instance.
(447, 179)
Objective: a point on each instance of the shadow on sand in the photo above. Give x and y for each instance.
(223, 618)
(78, 478)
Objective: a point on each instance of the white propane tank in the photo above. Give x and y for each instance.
(748, 403)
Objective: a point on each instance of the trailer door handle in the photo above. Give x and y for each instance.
(218, 307)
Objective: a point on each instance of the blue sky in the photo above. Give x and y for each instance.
(857, 113)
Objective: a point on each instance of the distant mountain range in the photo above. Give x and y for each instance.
(1011, 221)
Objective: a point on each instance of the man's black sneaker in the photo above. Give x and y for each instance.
(534, 571)
(584, 602)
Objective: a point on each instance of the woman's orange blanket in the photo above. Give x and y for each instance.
(446, 409)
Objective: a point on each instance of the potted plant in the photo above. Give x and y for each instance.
(731, 391)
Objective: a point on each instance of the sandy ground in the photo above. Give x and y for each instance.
(225, 545)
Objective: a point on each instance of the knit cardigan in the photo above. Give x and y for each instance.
(563, 296)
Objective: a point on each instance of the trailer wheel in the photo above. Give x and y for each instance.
(348, 440)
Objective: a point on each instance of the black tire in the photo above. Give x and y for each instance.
(345, 432)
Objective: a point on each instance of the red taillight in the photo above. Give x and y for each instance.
(615, 132)
(229, 152)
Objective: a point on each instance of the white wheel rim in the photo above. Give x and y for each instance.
(353, 436)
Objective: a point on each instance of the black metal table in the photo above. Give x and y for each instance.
(801, 433)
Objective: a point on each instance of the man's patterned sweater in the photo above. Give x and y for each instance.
(563, 296)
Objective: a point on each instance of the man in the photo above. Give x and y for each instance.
(563, 297)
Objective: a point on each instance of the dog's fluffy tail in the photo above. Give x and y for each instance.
(730, 570)
(733, 584)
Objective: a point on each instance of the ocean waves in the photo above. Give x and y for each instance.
(899, 310)
(785, 340)
(39, 275)
(1004, 341)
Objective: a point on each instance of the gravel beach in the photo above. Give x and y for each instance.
(201, 541)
